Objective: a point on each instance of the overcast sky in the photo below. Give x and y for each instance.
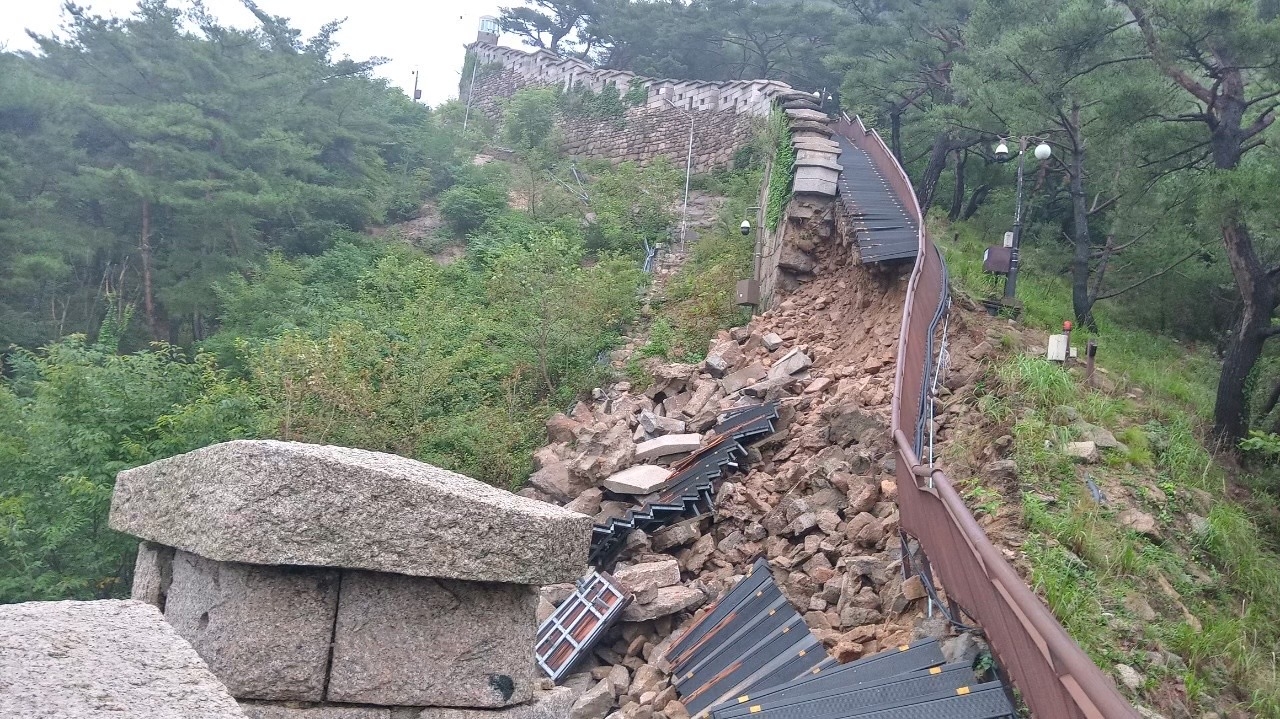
(425, 34)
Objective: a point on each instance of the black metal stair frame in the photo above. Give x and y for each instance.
(692, 493)
(751, 656)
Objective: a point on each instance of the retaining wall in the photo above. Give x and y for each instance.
(725, 115)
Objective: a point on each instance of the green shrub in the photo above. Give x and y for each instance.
(467, 206)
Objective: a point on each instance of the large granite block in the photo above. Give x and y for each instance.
(554, 704)
(257, 710)
(432, 642)
(68, 660)
(268, 502)
(263, 630)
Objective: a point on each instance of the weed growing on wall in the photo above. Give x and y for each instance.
(782, 171)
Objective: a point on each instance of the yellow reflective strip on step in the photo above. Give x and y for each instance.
(743, 699)
(755, 709)
(904, 647)
(935, 670)
(962, 691)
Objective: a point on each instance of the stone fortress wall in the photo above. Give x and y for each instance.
(725, 115)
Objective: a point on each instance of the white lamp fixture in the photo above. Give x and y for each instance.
(1043, 151)
(745, 227)
(1002, 150)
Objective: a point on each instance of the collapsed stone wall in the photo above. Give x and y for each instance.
(725, 115)
(816, 499)
(787, 253)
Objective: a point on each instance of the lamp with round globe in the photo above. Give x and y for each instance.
(1042, 152)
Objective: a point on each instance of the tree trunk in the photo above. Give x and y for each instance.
(148, 296)
(1081, 300)
(978, 197)
(933, 171)
(957, 194)
(1244, 346)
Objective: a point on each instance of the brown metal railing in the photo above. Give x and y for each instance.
(1056, 678)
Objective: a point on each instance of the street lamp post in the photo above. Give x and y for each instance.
(688, 168)
(1042, 152)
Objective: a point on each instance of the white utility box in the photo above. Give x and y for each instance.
(1057, 348)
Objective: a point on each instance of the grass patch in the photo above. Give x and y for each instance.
(1225, 571)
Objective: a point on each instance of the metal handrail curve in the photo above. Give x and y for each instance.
(1056, 678)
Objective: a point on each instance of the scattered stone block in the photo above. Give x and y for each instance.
(818, 385)
(1138, 521)
(667, 445)
(647, 578)
(416, 641)
(657, 425)
(85, 660)
(753, 372)
(676, 535)
(557, 481)
(1129, 677)
(669, 600)
(771, 341)
(640, 479)
(1005, 470)
(269, 502)
(263, 630)
(1086, 452)
(790, 363)
(595, 703)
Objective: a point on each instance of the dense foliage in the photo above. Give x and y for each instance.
(143, 159)
(187, 221)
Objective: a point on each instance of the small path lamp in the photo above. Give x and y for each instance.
(1042, 152)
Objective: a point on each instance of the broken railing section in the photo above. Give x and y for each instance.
(578, 623)
(690, 490)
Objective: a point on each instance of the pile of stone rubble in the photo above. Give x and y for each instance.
(816, 500)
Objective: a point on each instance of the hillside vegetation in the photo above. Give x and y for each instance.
(187, 236)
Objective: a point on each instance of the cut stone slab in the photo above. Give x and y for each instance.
(668, 445)
(816, 172)
(269, 502)
(789, 364)
(263, 630)
(824, 160)
(807, 115)
(554, 704)
(117, 658)
(254, 710)
(814, 186)
(751, 373)
(415, 641)
(640, 479)
(669, 600)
